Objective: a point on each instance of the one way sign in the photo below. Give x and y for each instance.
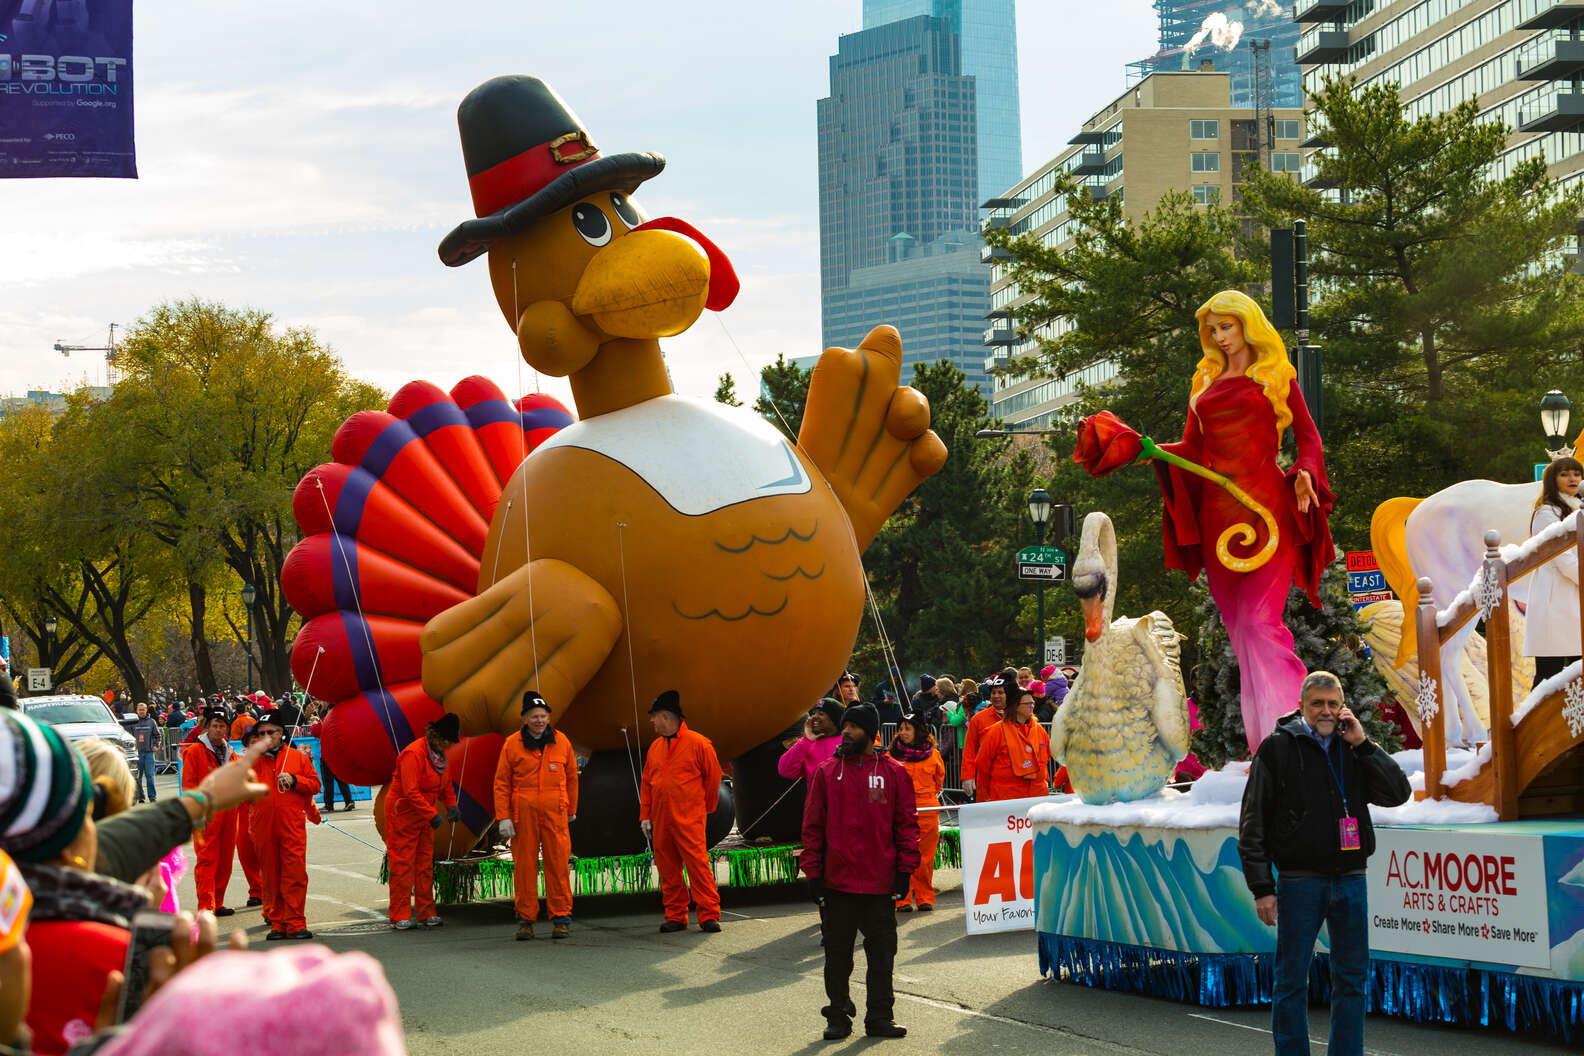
(1050, 573)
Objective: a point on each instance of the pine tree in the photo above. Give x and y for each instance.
(726, 391)
(1326, 639)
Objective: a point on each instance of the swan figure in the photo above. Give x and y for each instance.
(1124, 725)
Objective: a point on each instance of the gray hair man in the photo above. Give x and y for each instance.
(1306, 812)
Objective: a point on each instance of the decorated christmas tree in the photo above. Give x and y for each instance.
(1329, 638)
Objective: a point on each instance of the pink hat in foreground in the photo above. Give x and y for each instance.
(339, 1005)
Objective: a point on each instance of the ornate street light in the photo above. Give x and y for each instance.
(1039, 507)
(50, 623)
(249, 598)
(1555, 412)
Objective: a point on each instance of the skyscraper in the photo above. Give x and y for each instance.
(1193, 32)
(988, 32)
(899, 195)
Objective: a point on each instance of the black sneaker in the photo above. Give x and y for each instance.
(306, 934)
(711, 926)
(887, 1029)
(837, 1029)
(274, 934)
(254, 902)
(673, 925)
(224, 911)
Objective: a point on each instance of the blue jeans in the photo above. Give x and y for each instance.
(1303, 903)
(146, 767)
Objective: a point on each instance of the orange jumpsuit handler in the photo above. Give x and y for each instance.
(280, 830)
(924, 765)
(536, 795)
(982, 720)
(1014, 755)
(216, 843)
(680, 790)
(418, 794)
(247, 854)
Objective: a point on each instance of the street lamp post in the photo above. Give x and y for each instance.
(1039, 507)
(50, 624)
(1555, 411)
(249, 599)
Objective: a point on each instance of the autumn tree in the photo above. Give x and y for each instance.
(227, 410)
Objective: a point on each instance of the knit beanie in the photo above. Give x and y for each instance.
(44, 789)
(832, 709)
(864, 717)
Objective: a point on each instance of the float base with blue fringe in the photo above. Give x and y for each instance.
(1425, 993)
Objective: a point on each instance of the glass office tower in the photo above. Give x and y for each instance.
(899, 195)
(1182, 21)
(988, 31)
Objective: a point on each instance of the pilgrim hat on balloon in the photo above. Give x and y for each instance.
(527, 155)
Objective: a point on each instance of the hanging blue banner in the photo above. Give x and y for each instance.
(66, 88)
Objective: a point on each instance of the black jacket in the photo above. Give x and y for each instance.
(1291, 806)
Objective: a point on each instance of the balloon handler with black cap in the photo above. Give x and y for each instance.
(420, 798)
(536, 795)
(681, 786)
(280, 828)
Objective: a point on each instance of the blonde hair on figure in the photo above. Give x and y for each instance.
(1270, 366)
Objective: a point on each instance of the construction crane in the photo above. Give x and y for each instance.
(108, 348)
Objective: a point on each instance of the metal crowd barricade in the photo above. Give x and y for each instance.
(166, 756)
(948, 741)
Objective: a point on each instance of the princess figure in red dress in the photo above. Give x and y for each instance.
(1243, 398)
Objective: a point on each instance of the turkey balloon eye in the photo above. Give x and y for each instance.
(625, 210)
(591, 224)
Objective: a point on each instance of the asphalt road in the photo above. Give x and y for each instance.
(467, 988)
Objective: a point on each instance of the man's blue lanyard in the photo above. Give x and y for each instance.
(1336, 774)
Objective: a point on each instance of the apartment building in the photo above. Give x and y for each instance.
(1171, 131)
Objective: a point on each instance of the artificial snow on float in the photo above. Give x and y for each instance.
(1149, 897)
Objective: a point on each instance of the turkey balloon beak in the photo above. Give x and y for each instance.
(646, 284)
(1094, 616)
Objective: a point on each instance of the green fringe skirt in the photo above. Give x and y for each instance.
(477, 879)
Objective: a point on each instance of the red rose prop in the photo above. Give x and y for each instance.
(1105, 443)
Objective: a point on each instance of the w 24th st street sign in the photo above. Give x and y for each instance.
(1044, 563)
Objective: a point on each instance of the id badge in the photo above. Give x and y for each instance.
(1348, 833)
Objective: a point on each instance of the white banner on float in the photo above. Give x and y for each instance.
(1460, 895)
(998, 864)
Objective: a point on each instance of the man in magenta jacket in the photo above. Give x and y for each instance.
(860, 847)
(821, 737)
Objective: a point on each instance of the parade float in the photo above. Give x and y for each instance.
(1476, 888)
(462, 547)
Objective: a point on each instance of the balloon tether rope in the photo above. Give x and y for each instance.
(357, 600)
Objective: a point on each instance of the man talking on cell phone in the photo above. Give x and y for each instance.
(1306, 811)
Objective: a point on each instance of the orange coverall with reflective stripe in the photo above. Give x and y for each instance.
(680, 789)
(215, 846)
(247, 853)
(978, 723)
(280, 836)
(929, 777)
(538, 792)
(1013, 762)
(416, 794)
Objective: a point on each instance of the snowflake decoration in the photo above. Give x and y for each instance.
(1425, 702)
(1573, 706)
(1489, 594)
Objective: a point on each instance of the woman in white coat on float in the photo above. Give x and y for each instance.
(1551, 622)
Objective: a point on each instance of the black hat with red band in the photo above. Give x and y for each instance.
(528, 155)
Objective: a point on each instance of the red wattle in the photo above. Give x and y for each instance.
(723, 281)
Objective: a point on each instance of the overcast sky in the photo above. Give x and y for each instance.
(301, 157)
